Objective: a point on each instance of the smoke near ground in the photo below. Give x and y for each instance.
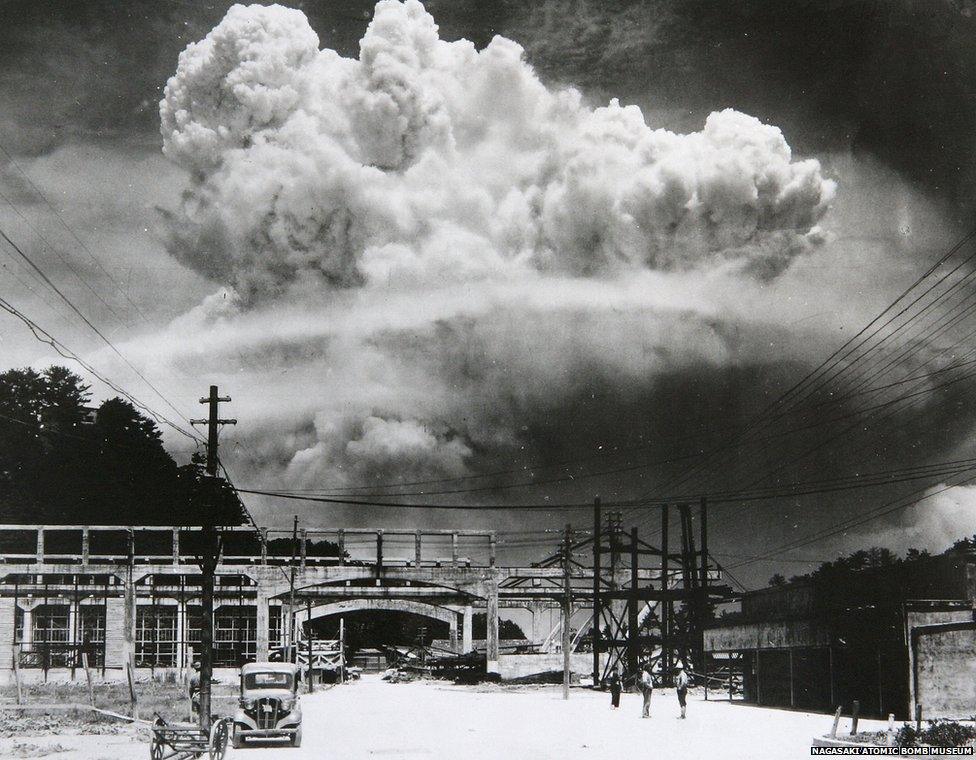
(449, 254)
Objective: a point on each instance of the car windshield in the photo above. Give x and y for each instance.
(267, 681)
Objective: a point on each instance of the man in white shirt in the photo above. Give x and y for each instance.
(646, 685)
(681, 686)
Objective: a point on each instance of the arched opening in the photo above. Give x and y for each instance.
(376, 632)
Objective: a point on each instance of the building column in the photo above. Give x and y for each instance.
(536, 609)
(262, 622)
(454, 632)
(492, 644)
(467, 629)
(72, 620)
(27, 609)
(8, 617)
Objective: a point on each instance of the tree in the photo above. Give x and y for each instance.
(507, 629)
(282, 547)
(777, 580)
(201, 496)
(64, 462)
(39, 411)
(962, 546)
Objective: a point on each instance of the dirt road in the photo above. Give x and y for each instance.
(373, 719)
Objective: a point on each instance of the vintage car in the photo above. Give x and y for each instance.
(269, 706)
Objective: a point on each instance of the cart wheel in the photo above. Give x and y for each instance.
(155, 748)
(218, 740)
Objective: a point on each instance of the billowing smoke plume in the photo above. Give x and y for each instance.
(429, 160)
(446, 255)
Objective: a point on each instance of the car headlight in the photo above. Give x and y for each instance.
(247, 704)
(287, 704)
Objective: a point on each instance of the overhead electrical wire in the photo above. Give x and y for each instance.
(852, 344)
(66, 262)
(62, 350)
(338, 492)
(900, 358)
(88, 322)
(371, 489)
(862, 519)
(832, 360)
(554, 507)
(827, 485)
(57, 214)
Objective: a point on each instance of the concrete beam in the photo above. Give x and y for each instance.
(432, 611)
(445, 595)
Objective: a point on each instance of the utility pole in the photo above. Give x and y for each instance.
(567, 608)
(597, 607)
(667, 609)
(311, 668)
(210, 551)
(292, 644)
(633, 627)
(342, 650)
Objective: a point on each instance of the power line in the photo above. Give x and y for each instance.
(822, 486)
(337, 492)
(71, 232)
(838, 356)
(88, 322)
(62, 350)
(555, 507)
(65, 261)
(852, 344)
(874, 514)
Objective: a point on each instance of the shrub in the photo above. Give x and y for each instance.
(906, 736)
(948, 733)
(940, 733)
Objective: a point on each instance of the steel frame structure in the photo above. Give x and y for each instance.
(659, 621)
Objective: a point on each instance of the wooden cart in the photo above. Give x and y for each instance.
(181, 741)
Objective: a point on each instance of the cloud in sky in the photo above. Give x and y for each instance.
(427, 160)
(462, 249)
(942, 515)
(426, 261)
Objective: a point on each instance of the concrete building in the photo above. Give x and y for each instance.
(130, 595)
(890, 638)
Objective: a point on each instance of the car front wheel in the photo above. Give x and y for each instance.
(296, 739)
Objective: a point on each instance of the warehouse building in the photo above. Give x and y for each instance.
(889, 637)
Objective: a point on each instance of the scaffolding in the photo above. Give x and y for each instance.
(657, 621)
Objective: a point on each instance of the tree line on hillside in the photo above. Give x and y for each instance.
(865, 559)
(63, 461)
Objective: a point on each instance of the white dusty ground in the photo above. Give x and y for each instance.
(373, 719)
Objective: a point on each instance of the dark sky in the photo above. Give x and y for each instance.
(881, 92)
(894, 79)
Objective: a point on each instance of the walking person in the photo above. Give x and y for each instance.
(614, 690)
(681, 686)
(646, 684)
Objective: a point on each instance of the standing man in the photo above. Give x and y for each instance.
(646, 685)
(194, 688)
(681, 685)
(615, 689)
